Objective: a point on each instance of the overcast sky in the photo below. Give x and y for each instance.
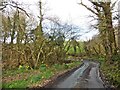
(66, 10)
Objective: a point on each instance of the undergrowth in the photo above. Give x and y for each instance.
(45, 72)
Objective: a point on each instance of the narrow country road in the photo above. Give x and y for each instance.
(87, 76)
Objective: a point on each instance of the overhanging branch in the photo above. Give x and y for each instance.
(4, 5)
(88, 8)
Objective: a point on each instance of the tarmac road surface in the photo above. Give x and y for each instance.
(87, 76)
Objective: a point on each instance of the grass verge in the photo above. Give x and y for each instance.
(22, 78)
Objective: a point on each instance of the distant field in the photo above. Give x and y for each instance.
(78, 50)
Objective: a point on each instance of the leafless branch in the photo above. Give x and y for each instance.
(88, 8)
(5, 4)
(20, 9)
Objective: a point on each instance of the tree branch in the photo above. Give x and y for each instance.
(88, 8)
(4, 5)
(20, 9)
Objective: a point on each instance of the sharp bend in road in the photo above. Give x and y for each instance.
(87, 76)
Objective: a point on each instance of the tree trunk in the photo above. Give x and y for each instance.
(109, 28)
(119, 26)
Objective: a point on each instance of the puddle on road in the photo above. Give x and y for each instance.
(87, 76)
(73, 79)
(92, 79)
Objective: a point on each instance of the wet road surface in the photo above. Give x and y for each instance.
(87, 76)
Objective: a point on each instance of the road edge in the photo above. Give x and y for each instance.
(60, 76)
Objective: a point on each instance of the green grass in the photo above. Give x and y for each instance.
(71, 50)
(81, 50)
(13, 72)
(35, 78)
(16, 84)
(45, 73)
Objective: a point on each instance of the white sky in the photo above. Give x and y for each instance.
(66, 10)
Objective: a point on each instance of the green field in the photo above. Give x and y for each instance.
(79, 49)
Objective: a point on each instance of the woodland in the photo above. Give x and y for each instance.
(33, 51)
